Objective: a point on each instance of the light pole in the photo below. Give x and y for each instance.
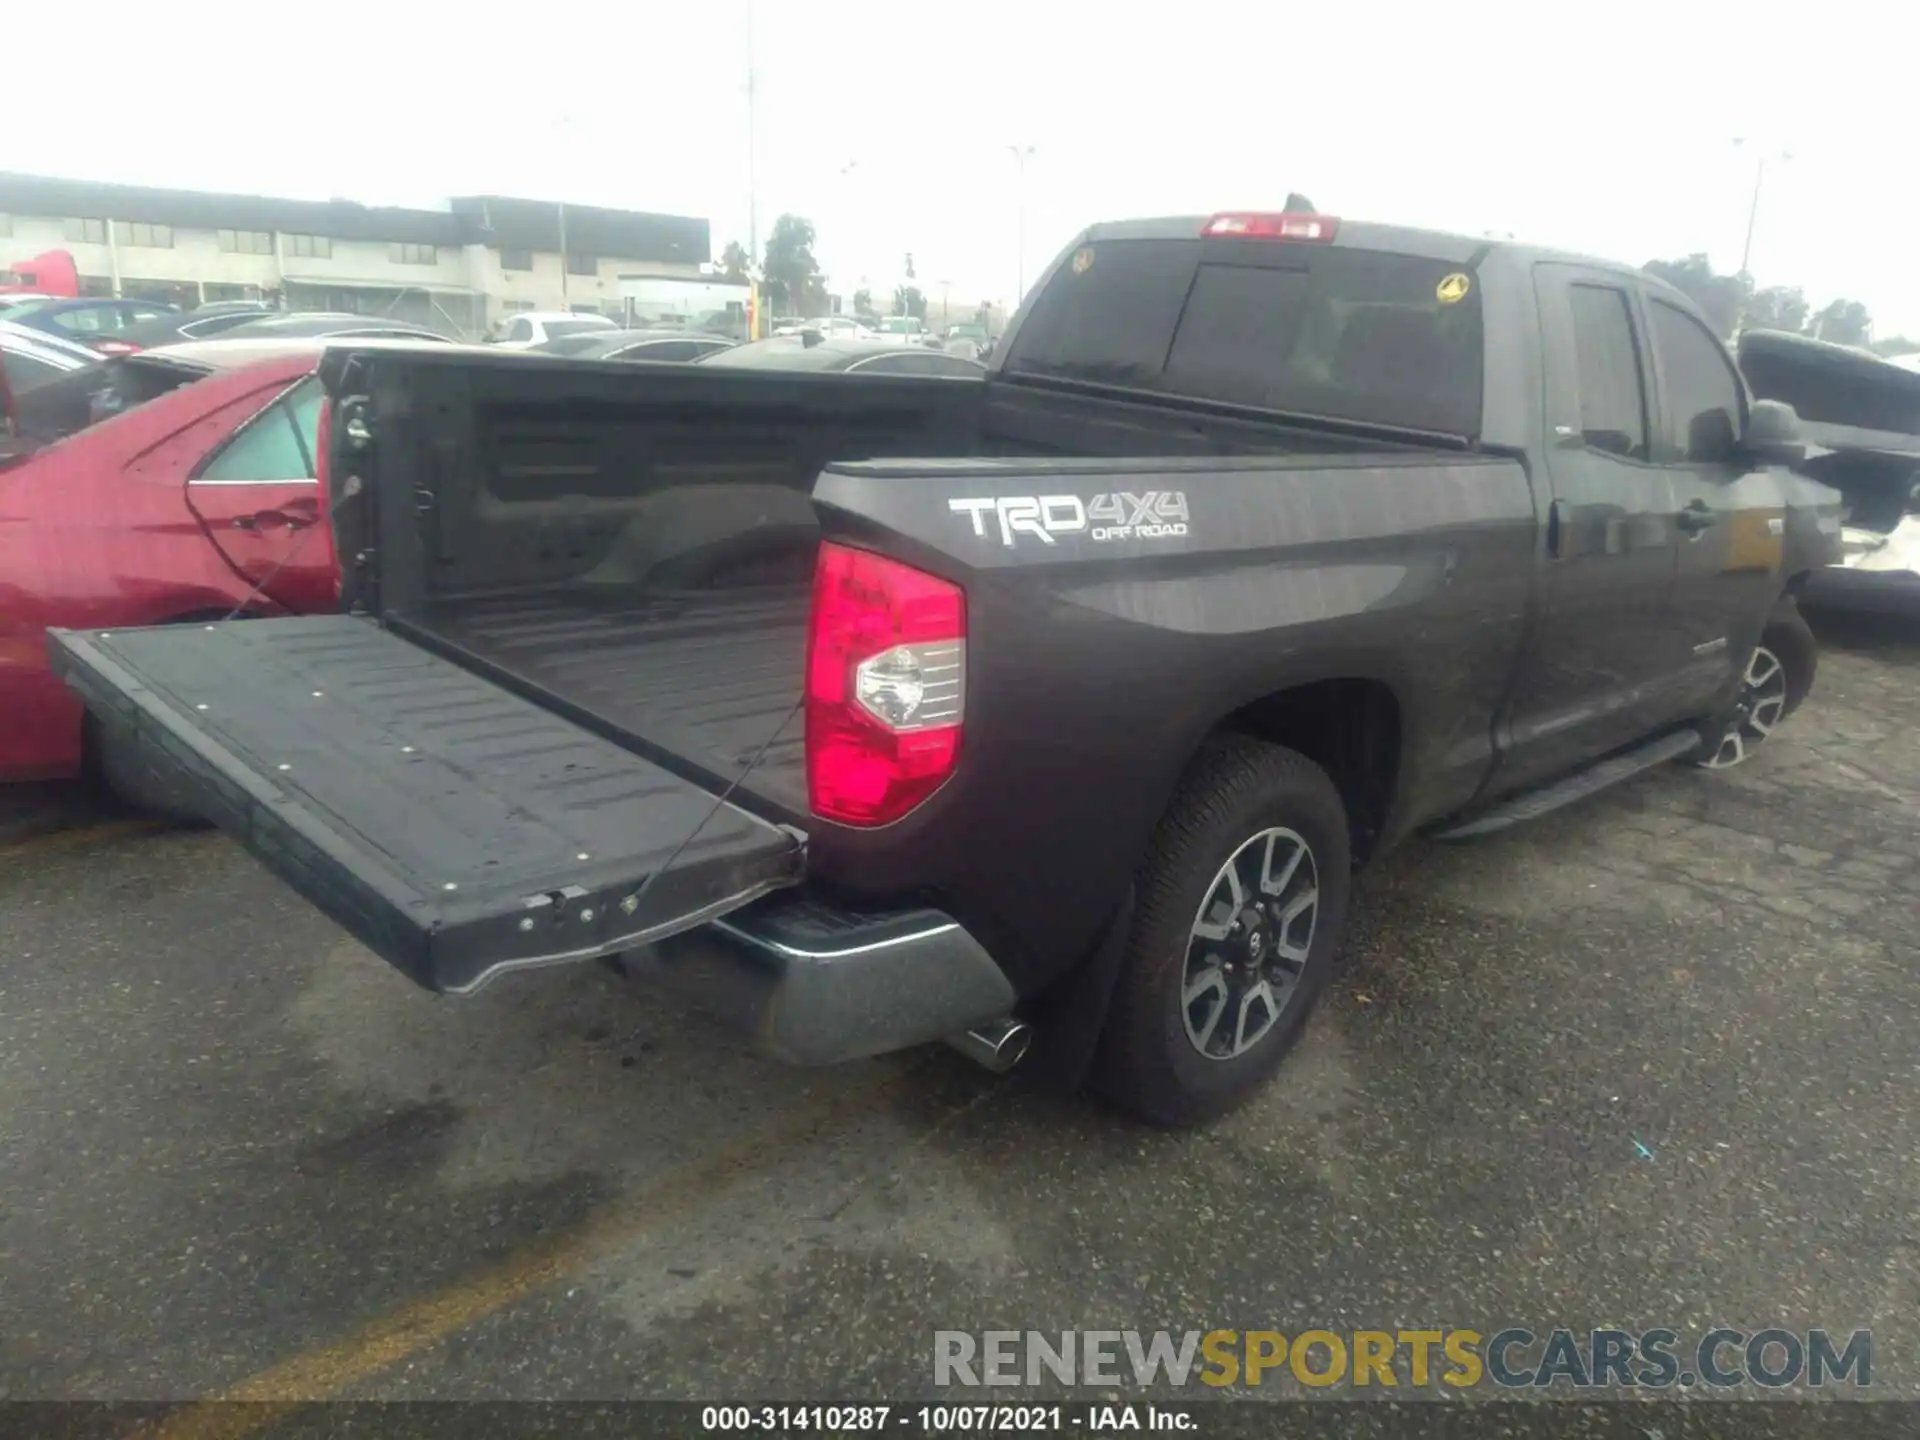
(1753, 206)
(1021, 154)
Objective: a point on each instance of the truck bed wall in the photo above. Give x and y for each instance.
(528, 475)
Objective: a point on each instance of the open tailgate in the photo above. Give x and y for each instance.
(456, 829)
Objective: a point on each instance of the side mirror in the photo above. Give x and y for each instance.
(1773, 435)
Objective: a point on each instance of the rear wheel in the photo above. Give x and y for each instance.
(1243, 900)
(1778, 677)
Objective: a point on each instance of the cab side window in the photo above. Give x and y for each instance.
(1613, 406)
(1703, 397)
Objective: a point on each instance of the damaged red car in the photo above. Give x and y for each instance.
(169, 486)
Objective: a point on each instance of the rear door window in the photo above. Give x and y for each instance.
(1323, 331)
(1613, 407)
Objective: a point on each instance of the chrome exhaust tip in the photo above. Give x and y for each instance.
(998, 1046)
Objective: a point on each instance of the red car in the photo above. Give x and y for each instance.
(175, 485)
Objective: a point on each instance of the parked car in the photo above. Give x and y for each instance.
(896, 711)
(968, 340)
(633, 345)
(171, 485)
(29, 357)
(201, 323)
(807, 352)
(1861, 418)
(536, 327)
(327, 325)
(29, 361)
(97, 324)
(730, 323)
(903, 330)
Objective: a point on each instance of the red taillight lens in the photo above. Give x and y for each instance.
(1261, 226)
(115, 347)
(886, 686)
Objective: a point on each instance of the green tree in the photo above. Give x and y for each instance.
(1843, 322)
(1894, 345)
(1721, 298)
(907, 300)
(863, 301)
(792, 274)
(734, 260)
(1778, 307)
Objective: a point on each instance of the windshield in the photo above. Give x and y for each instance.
(1347, 334)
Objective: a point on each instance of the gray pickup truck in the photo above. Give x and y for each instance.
(1061, 703)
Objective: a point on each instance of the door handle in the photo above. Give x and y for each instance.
(294, 517)
(1695, 518)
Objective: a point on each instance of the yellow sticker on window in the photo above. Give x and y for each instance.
(1083, 260)
(1453, 289)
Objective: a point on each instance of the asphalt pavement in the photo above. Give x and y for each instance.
(1650, 1061)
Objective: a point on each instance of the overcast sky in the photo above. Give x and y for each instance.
(1608, 129)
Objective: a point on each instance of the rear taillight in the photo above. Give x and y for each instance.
(886, 686)
(1269, 226)
(115, 347)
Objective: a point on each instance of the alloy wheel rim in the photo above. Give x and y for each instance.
(1761, 702)
(1247, 947)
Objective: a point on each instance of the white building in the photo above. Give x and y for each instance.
(459, 269)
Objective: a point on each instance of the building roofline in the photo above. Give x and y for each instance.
(494, 220)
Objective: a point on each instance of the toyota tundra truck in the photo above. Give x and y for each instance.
(1056, 705)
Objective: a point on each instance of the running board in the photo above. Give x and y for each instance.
(1534, 803)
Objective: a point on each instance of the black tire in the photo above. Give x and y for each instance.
(1235, 789)
(1789, 639)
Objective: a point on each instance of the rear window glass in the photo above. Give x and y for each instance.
(557, 328)
(1347, 334)
(780, 353)
(79, 399)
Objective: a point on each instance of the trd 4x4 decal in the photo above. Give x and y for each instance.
(1155, 515)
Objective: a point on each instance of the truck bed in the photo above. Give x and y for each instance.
(705, 679)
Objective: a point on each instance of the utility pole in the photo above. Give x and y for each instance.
(566, 261)
(1021, 154)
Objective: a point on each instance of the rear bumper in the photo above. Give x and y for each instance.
(813, 985)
